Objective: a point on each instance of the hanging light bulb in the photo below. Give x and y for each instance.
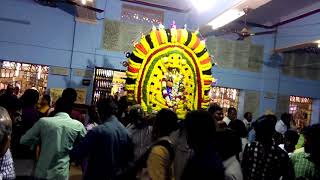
(83, 2)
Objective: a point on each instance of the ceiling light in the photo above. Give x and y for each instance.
(83, 2)
(202, 5)
(226, 18)
(318, 43)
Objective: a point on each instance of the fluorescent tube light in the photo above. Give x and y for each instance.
(225, 18)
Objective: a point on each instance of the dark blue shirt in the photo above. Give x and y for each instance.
(108, 148)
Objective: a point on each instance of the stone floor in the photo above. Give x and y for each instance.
(24, 168)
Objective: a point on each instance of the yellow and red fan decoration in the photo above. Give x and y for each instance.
(170, 68)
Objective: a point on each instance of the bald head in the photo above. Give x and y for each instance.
(5, 131)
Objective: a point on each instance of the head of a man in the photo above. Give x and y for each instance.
(286, 118)
(265, 129)
(248, 116)
(70, 94)
(201, 130)
(63, 105)
(216, 111)
(106, 108)
(14, 107)
(93, 114)
(228, 143)
(5, 131)
(239, 128)
(136, 116)
(291, 138)
(165, 123)
(311, 142)
(30, 97)
(232, 113)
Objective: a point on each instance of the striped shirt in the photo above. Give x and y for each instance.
(141, 139)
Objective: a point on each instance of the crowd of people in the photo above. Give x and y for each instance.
(119, 141)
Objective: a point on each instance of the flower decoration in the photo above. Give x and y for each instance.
(170, 68)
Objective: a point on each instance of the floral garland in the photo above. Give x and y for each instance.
(169, 68)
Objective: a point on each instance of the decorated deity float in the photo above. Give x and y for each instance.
(170, 68)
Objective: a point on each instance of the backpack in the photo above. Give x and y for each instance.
(132, 171)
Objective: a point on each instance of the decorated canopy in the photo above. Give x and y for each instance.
(170, 68)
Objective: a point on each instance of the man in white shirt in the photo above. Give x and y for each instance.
(232, 115)
(247, 120)
(284, 123)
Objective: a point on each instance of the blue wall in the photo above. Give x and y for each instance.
(54, 38)
(300, 31)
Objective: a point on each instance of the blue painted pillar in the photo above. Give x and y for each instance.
(270, 75)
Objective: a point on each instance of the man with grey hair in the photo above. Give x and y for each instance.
(6, 162)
